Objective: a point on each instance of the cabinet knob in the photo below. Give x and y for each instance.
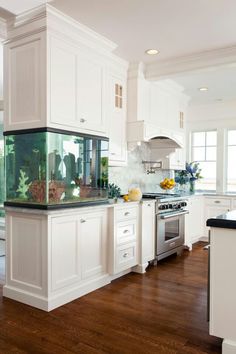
(149, 205)
(125, 231)
(125, 255)
(217, 201)
(82, 221)
(127, 213)
(113, 153)
(82, 120)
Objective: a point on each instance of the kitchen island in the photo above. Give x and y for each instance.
(222, 304)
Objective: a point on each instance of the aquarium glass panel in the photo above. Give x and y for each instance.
(51, 168)
(26, 168)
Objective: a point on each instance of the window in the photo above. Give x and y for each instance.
(231, 166)
(204, 146)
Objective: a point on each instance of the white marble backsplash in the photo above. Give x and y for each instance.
(134, 173)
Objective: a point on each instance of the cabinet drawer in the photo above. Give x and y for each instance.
(126, 231)
(126, 257)
(126, 213)
(225, 202)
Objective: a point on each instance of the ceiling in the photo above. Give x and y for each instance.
(221, 85)
(177, 28)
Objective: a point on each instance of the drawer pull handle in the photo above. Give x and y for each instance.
(125, 255)
(113, 153)
(149, 205)
(217, 201)
(127, 213)
(172, 244)
(82, 221)
(82, 120)
(125, 231)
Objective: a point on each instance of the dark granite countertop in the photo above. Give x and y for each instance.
(225, 221)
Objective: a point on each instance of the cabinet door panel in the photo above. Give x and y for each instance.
(148, 232)
(117, 123)
(65, 252)
(63, 83)
(93, 244)
(91, 87)
(23, 84)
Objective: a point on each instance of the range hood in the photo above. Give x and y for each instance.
(156, 137)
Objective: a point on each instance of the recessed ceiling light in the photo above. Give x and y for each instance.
(152, 51)
(203, 89)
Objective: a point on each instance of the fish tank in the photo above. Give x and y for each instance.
(54, 169)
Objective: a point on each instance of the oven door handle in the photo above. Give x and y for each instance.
(173, 215)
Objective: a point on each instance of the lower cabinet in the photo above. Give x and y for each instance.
(123, 237)
(78, 250)
(147, 234)
(215, 206)
(194, 221)
(55, 257)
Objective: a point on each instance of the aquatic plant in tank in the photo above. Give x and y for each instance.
(52, 169)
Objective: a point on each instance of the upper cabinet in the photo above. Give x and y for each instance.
(117, 120)
(58, 76)
(78, 91)
(156, 109)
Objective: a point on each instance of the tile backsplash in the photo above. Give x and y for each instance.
(134, 173)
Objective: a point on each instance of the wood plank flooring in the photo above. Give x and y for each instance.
(162, 311)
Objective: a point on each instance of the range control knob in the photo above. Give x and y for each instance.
(170, 206)
(179, 206)
(161, 207)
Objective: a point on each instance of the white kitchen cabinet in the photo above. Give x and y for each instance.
(147, 236)
(57, 76)
(194, 221)
(77, 88)
(215, 206)
(177, 160)
(123, 237)
(55, 257)
(156, 108)
(86, 249)
(25, 83)
(117, 121)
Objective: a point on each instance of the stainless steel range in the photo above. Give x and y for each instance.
(170, 223)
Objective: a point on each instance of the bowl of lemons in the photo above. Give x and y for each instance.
(167, 183)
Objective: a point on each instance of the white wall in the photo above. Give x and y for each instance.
(218, 116)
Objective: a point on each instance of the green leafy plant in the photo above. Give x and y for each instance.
(113, 191)
(23, 186)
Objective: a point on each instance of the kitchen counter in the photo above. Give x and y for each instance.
(226, 221)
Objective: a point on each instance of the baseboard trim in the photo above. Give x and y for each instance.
(228, 347)
(140, 268)
(52, 302)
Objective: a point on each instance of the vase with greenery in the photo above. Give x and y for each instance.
(113, 192)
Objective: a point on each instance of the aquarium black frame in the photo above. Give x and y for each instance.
(62, 206)
(53, 130)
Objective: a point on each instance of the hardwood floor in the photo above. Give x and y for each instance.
(162, 311)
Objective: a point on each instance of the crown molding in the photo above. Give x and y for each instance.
(47, 17)
(197, 62)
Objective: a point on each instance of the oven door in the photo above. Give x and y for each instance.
(169, 231)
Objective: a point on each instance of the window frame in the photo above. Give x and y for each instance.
(226, 146)
(205, 147)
